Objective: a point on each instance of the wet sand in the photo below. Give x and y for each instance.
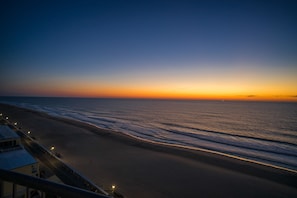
(140, 169)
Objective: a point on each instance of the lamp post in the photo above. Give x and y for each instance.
(113, 189)
(52, 148)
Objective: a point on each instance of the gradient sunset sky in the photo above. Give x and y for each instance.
(244, 50)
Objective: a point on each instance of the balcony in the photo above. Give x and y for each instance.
(44, 187)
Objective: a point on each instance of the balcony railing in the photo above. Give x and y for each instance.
(44, 186)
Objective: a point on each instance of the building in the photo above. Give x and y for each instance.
(15, 158)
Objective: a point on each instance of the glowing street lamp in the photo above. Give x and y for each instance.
(15, 123)
(6, 118)
(29, 132)
(113, 188)
(1, 114)
(52, 148)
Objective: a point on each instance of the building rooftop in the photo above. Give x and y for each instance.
(15, 159)
(7, 133)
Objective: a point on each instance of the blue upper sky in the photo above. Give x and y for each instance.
(42, 41)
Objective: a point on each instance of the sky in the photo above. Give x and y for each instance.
(244, 50)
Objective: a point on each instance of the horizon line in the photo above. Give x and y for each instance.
(246, 99)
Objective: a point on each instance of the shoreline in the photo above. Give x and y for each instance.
(146, 142)
(256, 159)
(198, 159)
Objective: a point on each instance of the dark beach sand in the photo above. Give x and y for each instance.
(146, 170)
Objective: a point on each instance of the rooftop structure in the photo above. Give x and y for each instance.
(9, 140)
(16, 159)
(7, 133)
(13, 157)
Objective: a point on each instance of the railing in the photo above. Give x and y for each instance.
(45, 186)
(10, 149)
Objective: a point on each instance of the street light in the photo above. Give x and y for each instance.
(113, 188)
(0, 114)
(6, 118)
(52, 148)
(29, 132)
(15, 123)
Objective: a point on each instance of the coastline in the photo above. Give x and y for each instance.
(144, 169)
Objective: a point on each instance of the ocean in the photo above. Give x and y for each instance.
(264, 132)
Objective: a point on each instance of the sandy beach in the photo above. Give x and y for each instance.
(140, 169)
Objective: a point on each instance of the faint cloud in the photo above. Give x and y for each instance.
(251, 96)
(294, 96)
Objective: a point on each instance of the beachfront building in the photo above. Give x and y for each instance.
(14, 157)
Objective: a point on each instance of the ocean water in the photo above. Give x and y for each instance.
(264, 132)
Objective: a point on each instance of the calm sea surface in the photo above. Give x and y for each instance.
(263, 132)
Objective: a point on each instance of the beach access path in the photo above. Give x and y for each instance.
(146, 170)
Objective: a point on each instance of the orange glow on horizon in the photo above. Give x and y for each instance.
(160, 93)
(256, 85)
